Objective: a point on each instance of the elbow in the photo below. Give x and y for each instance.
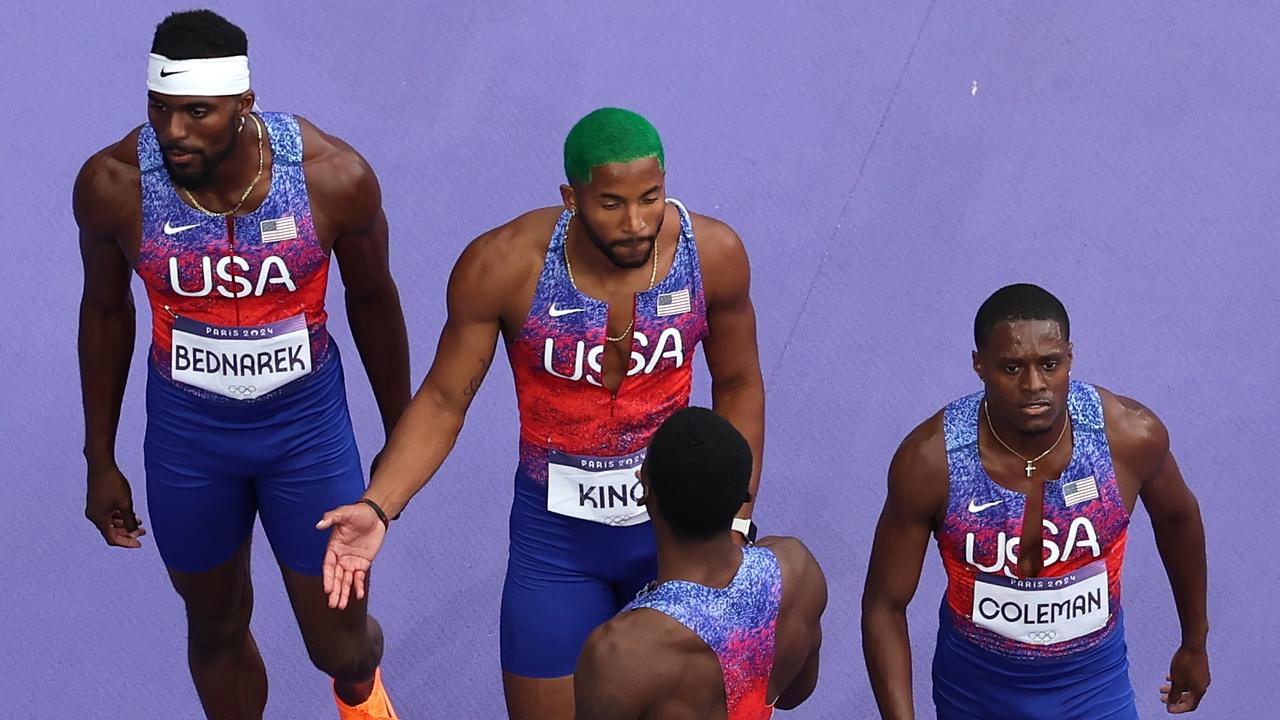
(383, 295)
(880, 613)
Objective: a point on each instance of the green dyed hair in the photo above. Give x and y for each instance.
(609, 135)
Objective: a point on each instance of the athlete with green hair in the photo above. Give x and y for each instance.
(600, 303)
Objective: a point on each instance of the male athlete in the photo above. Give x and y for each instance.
(600, 304)
(229, 216)
(726, 631)
(1028, 487)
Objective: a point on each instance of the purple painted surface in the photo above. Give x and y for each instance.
(1121, 155)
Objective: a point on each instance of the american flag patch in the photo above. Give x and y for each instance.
(282, 228)
(1078, 491)
(673, 303)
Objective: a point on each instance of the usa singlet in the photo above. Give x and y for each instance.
(580, 544)
(738, 622)
(237, 304)
(1046, 646)
(246, 408)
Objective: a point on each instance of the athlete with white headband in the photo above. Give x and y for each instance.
(229, 217)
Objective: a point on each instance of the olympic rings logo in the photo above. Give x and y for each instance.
(242, 390)
(1042, 636)
(620, 520)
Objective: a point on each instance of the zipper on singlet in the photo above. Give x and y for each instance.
(231, 250)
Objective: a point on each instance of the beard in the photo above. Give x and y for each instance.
(612, 249)
(203, 165)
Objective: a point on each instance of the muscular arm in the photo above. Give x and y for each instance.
(104, 193)
(917, 494)
(345, 190)
(737, 388)
(805, 594)
(106, 333)
(430, 424)
(1140, 444)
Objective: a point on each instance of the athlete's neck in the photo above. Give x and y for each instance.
(707, 562)
(1030, 444)
(238, 170)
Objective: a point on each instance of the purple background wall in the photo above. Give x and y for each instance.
(1123, 155)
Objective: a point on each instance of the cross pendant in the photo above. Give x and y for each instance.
(1030, 468)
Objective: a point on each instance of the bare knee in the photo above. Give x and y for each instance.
(345, 663)
(345, 654)
(210, 636)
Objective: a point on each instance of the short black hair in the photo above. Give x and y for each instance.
(1021, 301)
(192, 34)
(699, 468)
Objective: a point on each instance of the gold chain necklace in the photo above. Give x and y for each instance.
(1030, 463)
(247, 190)
(653, 280)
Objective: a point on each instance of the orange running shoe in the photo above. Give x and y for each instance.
(376, 707)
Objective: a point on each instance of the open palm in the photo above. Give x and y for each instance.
(354, 541)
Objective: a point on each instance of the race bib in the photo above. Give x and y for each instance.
(240, 362)
(1044, 610)
(600, 489)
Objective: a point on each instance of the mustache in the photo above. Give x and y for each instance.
(180, 148)
(637, 240)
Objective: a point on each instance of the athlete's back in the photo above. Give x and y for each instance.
(685, 651)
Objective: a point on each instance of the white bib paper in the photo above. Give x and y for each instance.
(603, 490)
(1044, 610)
(241, 363)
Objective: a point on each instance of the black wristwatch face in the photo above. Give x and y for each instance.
(751, 532)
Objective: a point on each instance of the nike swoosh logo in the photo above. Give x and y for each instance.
(163, 73)
(561, 312)
(975, 508)
(171, 230)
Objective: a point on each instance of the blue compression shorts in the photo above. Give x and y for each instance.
(972, 682)
(565, 576)
(212, 466)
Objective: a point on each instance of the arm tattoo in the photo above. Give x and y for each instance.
(473, 385)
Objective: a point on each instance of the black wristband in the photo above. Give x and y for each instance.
(386, 524)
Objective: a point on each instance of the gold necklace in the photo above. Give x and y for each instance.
(653, 280)
(247, 190)
(1030, 463)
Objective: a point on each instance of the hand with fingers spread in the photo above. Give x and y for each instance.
(356, 537)
(1188, 679)
(109, 506)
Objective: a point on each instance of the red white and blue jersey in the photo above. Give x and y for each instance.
(557, 359)
(1073, 605)
(237, 303)
(737, 622)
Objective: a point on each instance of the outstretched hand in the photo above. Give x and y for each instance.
(1188, 679)
(355, 539)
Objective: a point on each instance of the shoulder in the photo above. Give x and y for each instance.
(1136, 435)
(919, 476)
(924, 450)
(714, 236)
(334, 166)
(508, 255)
(108, 185)
(799, 567)
(624, 648)
(725, 268)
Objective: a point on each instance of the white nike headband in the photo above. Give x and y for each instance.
(199, 76)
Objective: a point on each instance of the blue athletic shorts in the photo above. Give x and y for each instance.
(970, 682)
(565, 576)
(212, 466)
